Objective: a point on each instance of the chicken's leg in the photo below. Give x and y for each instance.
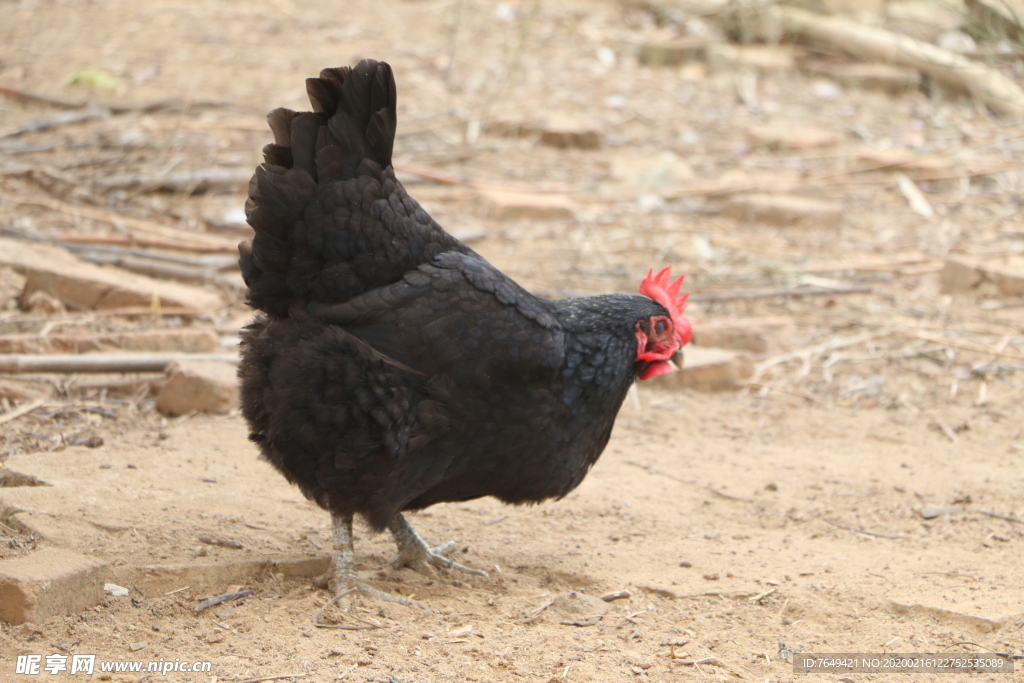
(341, 576)
(414, 553)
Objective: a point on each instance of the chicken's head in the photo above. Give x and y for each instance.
(660, 338)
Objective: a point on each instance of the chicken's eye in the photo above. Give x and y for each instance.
(660, 327)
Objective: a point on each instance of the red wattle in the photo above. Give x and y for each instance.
(658, 368)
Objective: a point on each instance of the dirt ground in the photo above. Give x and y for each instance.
(861, 494)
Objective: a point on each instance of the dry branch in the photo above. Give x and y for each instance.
(107, 216)
(22, 410)
(856, 530)
(186, 181)
(129, 241)
(155, 267)
(102, 362)
(1007, 518)
(176, 340)
(876, 265)
(55, 121)
(870, 174)
(88, 316)
(205, 604)
(270, 678)
(147, 262)
(159, 105)
(1000, 92)
(772, 293)
(807, 353)
(968, 345)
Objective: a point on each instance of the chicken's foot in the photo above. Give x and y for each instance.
(414, 553)
(340, 578)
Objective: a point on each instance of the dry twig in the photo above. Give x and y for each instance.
(186, 181)
(280, 677)
(1006, 518)
(130, 241)
(101, 362)
(206, 604)
(968, 345)
(945, 429)
(319, 614)
(107, 216)
(22, 410)
(158, 105)
(810, 352)
(772, 293)
(874, 534)
(1000, 92)
(55, 121)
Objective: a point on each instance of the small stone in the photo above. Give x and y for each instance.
(89, 441)
(555, 130)
(755, 335)
(203, 386)
(686, 563)
(934, 511)
(964, 274)
(115, 590)
(47, 583)
(617, 595)
(960, 274)
(221, 542)
(135, 647)
(791, 136)
(506, 205)
(765, 58)
(883, 77)
(565, 132)
(783, 210)
(673, 52)
(711, 577)
(707, 369)
(72, 281)
(1008, 276)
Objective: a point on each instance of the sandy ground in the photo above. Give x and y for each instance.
(731, 528)
(743, 526)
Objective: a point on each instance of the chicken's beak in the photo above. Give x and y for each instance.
(677, 359)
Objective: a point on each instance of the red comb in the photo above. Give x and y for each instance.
(660, 288)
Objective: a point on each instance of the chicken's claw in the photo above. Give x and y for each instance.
(341, 580)
(414, 553)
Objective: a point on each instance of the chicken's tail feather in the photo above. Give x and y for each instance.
(353, 119)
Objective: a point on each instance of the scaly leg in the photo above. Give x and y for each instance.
(341, 576)
(414, 553)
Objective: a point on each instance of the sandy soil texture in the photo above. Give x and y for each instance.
(860, 493)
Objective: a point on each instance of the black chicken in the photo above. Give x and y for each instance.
(393, 367)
